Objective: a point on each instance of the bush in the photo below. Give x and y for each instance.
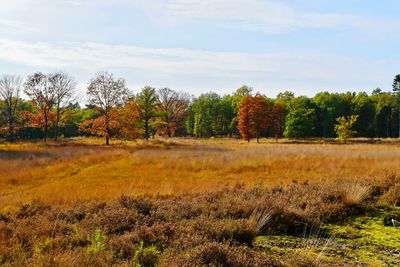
(224, 254)
(146, 256)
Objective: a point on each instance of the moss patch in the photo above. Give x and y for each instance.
(363, 240)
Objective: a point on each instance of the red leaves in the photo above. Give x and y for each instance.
(253, 116)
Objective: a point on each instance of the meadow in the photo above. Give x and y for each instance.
(193, 202)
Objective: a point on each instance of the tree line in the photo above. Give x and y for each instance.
(51, 110)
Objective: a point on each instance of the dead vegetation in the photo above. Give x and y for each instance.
(83, 170)
(205, 229)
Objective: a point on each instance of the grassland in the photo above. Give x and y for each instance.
(185, 202)
(85, 170)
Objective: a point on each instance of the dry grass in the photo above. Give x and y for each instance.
(83, 169)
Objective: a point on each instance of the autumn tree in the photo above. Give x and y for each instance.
(173, 108)
(10, 87)
(344, 127)
(277, 119)
(106, 92)
(238, 96)
(128, 119)
(63, 87)
(253, 117)
(42, 93)
(147, 101)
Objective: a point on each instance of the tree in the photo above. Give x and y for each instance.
(300, 118)
(173, 108)
(147, 101)
(329, 107)
(42, 93)
(128, 120)
(10, 87)
(385, 105)
(104, 126)
(205, 110)
(253, 117)
(63, 86)
(236, 99)
(107, 92)
(240, 94)
(285, 97)
(277, 119)
(343, 129)
(396, 89)
(364, 107)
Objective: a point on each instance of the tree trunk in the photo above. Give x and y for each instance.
(107, 140)
(10, 130)
(45, 130)
(56, 127)
(146, 133)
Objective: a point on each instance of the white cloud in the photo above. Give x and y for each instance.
(256, 15)
(268, 16)
(74, 3)
(14, 24)
(196, 70)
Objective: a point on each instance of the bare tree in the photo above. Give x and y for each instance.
(106, 92)
(10, 87)
(40, 90)
(64, 88)
(173, 107)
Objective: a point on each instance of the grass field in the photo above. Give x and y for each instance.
(280, 204)
(85, 170)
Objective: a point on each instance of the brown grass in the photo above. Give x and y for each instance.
(83, 169)
(207, 229)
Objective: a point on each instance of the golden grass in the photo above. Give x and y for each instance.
(82, 169)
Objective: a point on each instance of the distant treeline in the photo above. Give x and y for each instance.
(52, 110)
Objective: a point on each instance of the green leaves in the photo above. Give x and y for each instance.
(343, 129)
(97, 240)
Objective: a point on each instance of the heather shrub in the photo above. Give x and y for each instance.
(223, 254)
(123, 246)
(391, 197)
(142, 205)
(112, 219)
(146, 256)
(226, 230)
(210, 229)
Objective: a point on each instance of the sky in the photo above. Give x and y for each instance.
(197, 46)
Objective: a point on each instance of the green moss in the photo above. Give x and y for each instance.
(364, 240)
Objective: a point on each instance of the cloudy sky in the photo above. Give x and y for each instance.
(207, 45)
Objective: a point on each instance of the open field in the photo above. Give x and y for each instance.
(185, 202)
(85, 170)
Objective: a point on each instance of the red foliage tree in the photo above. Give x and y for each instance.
(253, 117)
(37, 118)
(277, 119)
(121, 122)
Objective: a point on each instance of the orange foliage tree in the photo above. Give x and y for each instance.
(106, 93)
(253, 117)
(120, 122)
(277, 119)
(37, 118)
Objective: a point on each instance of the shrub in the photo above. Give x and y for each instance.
(392, 196)
(97, 241)
(224, 254)
(146, 256)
